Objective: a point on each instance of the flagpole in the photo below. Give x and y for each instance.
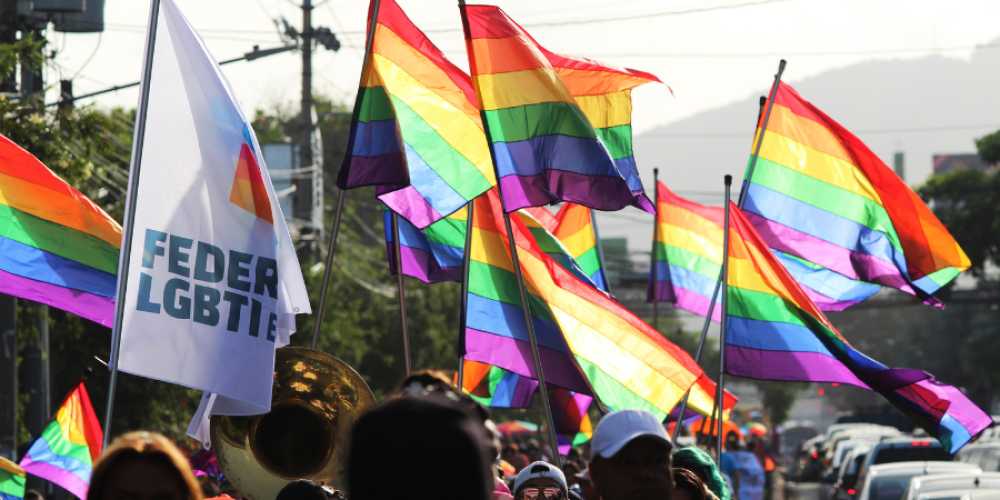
(711, 305)
(133, 187)
(600, 251)
(512, 243)
(720, 391)
(656, 248)
(760, 138)
(464, 313)
(343, 195)
(398, 257)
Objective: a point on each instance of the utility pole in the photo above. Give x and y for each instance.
(303, 199)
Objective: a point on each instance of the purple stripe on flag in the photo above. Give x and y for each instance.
(98, 309)
(664, 291)
(826, 303)
(419, 264)
(515, 355)
(410, 205)
(549, 186)
(788, 365)
(698, 304)
(69, 481)
(526, 387)
(854, 265)
(360, 171)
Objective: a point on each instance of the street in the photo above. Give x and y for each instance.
(802, 491)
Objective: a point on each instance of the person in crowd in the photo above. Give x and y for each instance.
(209, 486)
(392, 445)
(728, 465)
(533, 452)
(540, 481)
(303, 489)
(701, 463)
(587, 490)
(631, 457)
(226, 488)
(143, 466)
(33, 495)
(688, 486)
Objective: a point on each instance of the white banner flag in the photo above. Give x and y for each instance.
(214, 283)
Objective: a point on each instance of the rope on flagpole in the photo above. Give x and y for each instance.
(133, 187)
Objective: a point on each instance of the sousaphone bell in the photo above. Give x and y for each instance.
(315, 399)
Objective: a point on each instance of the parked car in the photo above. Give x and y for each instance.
(844, 488)
(985, 455)
(903, 449)
(828, 481)
(961, 495)
(955, 481)
(888, 481)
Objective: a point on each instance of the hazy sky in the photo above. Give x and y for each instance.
(709, 58)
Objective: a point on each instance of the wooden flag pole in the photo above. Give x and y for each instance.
(342, 197)
(133, 188)
(656, 250)
(600, 252)
(398, 258)
(512, 243)
(720, 390)
(760, 138)
(711, 309)
(464, 313)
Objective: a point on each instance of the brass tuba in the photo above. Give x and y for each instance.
(315, 399)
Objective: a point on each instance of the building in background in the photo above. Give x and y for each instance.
(947, 163)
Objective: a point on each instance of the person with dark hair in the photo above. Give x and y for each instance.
(141, 466)
(435, 429)
(631, 457)
(209, 486)
(540, 481)
(533, 452)
(587, 490)
(33, 495)
(701, 463)
(688, 486)
(303, 489)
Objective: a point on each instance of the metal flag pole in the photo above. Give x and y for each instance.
(398, 257)
(342, 196)
(722, 332)
(656, 250)
(464, 313)
(600, 251)
(711, 308)
(133, 187)
(760, 138)
(512, 243)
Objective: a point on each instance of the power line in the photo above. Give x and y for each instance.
(870, 131)
(724, 55)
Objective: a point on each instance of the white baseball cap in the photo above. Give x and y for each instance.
(540, 469)
(619, 428)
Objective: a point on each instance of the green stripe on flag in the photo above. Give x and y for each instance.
(53, 435)
(618, 140)
(589, 261)
(501, 285)
(449, 232)
(374, 106)
(537, 120)
(57, 239)
(691, 261)
(613, 393)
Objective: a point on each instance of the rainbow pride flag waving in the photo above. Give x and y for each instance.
(56, 246)
(575, 228)
(12, 480)
(69, 447)
(846, 222)
(545, 147)
(774, 331)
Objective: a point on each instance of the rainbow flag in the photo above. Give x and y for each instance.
(702, 400)
(688, 250)
(431, 255)
(576, 230)
(604, 93)
(495, 387)
(774, 331)
(12, 480)
(56, 246)
(627, 364)
(69, 447)
(439, 129)
(545, 147)
(846, 222)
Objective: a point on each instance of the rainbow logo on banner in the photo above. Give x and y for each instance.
(249, 191)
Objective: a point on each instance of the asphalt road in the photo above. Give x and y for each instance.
(802, 491)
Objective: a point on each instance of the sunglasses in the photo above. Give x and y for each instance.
(541, 494)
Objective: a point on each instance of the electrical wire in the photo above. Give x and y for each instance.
(100, 36)
(724, 55)
(708, 135)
